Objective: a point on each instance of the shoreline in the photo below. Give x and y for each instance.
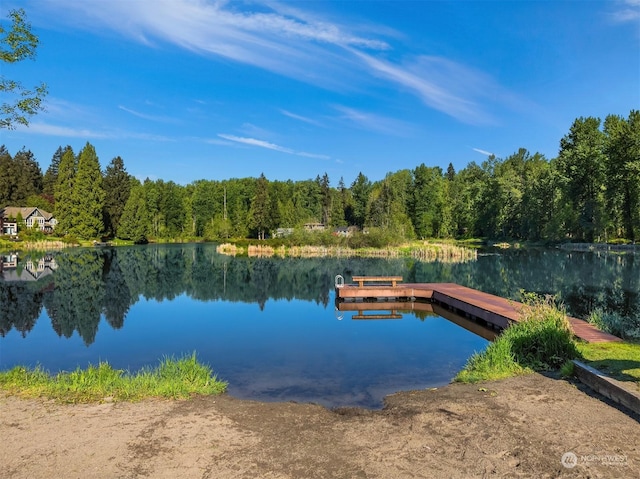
(521, 426)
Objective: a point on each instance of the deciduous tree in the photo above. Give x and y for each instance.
(581, 163)
(18, 43)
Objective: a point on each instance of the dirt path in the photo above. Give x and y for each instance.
(520, 427)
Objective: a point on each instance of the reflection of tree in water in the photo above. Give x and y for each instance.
(89, 282)
(117, 297)
(20, 307)
(263, 275)
(78, 295)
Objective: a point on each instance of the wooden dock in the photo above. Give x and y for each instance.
(494, 310)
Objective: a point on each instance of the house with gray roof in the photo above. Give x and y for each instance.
(32, 217)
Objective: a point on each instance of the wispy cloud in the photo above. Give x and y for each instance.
(255, 142)
(39, 128)
(626, 11)
(48, 129)
(482, 152)
(300, 118)
(271, 146)
(444, 85)
(373, 122)
(145, 116)
(268, 35)
(249, 129)
(292, 42)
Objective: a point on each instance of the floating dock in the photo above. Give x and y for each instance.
(467, 302)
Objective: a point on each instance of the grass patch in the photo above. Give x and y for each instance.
(618, 360)
(172, 378)
(542, 340)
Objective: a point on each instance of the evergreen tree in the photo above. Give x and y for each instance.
(451, 172)
(259, 213)
(7, 177)
(51, 175)
(64, 192)
(135, 223)
(325, 194)
(117, 186)
(20, 177)
(28, 177)
(361, 188)
(88, 196)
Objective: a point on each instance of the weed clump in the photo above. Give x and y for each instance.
(542, 340)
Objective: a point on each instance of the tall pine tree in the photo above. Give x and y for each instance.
(63, 192)
(88, 196)
(117, 186)
(259, 212)
(51, 175)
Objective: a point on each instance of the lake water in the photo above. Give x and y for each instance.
(269, 326)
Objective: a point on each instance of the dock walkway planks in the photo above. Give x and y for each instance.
(488, 307)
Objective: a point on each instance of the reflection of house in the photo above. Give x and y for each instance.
(33, 270)
(9, 260)
(314, 226)
(31, 216)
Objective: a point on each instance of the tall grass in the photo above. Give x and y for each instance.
(541, 340)
(426, 252)
(614, 323)
(172, 378)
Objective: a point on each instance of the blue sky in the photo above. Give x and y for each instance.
(201, 89)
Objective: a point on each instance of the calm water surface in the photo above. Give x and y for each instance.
(269, 326)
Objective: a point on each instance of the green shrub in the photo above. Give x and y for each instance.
(612, 322)
(32, 234)
(544, 339)
(70, 239)
(541, 340)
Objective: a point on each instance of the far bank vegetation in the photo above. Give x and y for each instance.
(589, 193)
(421, 251)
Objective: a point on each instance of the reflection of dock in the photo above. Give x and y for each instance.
(375, 310)
(395, 309)
(493, 310)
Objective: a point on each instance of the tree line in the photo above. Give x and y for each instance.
(589, 192)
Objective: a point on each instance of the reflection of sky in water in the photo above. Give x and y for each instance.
(292, 350)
